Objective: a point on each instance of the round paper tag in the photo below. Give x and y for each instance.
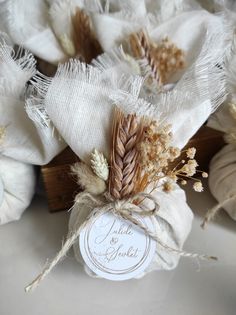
(116, 249)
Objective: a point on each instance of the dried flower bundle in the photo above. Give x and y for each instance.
(163, 58)
(157, 156)
(156, 152)
(141, 156)
(86, 45)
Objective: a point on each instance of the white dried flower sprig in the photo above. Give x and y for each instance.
(87, 179)
(188, 170)
(190, 152)
(99, 165)
(141, 156)
(197, 186)
(67, 45)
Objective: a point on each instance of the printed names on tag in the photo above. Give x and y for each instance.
(116, 249)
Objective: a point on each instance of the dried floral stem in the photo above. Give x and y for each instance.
(157, 157)
(99, 165)
(141, 49)
(126, 135)
(86, 44)
(87, 180)
(164, 58)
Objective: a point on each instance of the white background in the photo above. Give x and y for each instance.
(208, 288)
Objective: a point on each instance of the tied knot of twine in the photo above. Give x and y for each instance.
(125, 209)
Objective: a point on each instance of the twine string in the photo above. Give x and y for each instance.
(120, 208)
(213, 211)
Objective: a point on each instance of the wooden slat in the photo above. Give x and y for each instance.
(59, 184)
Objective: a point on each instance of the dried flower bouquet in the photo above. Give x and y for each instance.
(141, 157)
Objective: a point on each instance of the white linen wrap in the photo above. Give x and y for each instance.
(39, 25)
(80, 100)
(23, 143)
(222, 178)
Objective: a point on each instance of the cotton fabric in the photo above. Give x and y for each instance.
(17, 186)
(24, 142)
(28, 25)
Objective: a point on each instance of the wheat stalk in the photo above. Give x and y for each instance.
(126, 135)
(164, 58)
(86, 44)
(140, 48)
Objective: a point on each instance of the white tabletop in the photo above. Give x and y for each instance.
(191, 289)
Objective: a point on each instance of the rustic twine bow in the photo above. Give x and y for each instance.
(122, 208)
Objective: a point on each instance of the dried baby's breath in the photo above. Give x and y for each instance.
(197, 186)
(187, 169)
(190, 152)
(204, 175)
(168, 186)
(157, 154)
(156, 151)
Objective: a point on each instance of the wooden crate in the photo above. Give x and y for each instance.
(61, 187)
